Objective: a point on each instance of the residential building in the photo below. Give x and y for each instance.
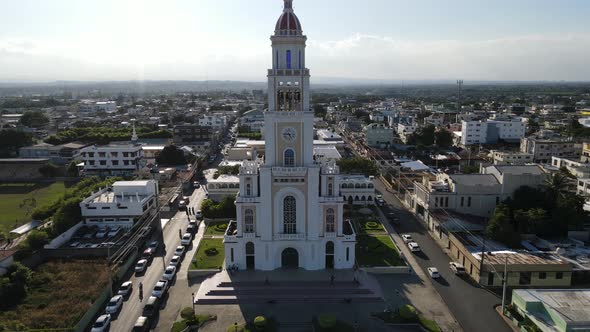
(511, 157)
(357, 189)
(378, 135)
(289, 211)
(554, 310)
(585, 152)
(192, 134)
(405, 130)
(223, 186)
(575, 167)
(125, 204)
(544, 149)
(88, 107)
(253, 120)
(112, 159)
(491, 131)
(525, 269)
(215, 121)
(57, 154)
(151, 152)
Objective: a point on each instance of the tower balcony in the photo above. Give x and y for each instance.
(289, 171)
(288, 72)
(331, 199)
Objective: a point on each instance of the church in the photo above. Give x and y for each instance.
(289, 207)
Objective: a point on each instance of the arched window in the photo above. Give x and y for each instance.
(289, 215)
(363, 186)
(358, 185)
(330, 224)
(249, 221)
(363, 198)
(289, 158)
(356, 198)
(288, 59)
(248, 189)
(330, 190)
(343, 186)
(369, 198)
(370, 185)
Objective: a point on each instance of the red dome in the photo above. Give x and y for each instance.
(288, 20)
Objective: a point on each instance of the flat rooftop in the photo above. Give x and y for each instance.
(520, 169)
(571, 304)
(475, 179)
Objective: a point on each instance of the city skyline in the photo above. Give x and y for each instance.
(385, 40)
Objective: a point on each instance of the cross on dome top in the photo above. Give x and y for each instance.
(288, 5)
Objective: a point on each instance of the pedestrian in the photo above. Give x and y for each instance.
(140, 292)
(332, 279)
(180, 233)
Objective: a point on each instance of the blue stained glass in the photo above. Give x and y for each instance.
(288, 59)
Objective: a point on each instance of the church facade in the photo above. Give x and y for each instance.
(289, 207)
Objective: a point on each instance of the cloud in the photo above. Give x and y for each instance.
(530, 57)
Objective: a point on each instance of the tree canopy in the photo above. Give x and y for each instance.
(171, 155)
(358, 165)
(34, 119)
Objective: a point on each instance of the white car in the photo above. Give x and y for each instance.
(141, 265)
(175, 261)
(114, 232)
(414, 247)
(169, 273)
(114, 304)
(407, 238)
(187, 238)
(126, 288)
(102, 323)
(457, 268)
(433, 272)
(179, 251)
(160, 288)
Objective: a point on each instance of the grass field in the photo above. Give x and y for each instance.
(210, 254)
(18, 200)
(48, 305)
(377, 250)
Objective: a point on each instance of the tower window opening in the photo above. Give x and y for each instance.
(289, 215)
(289, 158)
(288, 59)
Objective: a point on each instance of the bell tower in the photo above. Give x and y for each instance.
(288, 120)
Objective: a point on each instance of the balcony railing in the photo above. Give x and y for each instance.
(330, 235)
(331, 199)
(289, 237)
(289, 171)
(249, 235)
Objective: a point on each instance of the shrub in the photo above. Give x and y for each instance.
(408, 313)
(327, 321)
(188, 314)
(211, 252)
(37, 239)
(260, 323)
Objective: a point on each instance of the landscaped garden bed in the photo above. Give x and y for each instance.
(58, 294)
(377, 250)
(210, 254)
(407, 314)
(190, 319)
(370, 226)
(259, 324)
(216, 228)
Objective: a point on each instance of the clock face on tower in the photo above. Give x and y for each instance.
(289, 134)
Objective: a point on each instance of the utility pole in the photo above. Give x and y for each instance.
(459, 86)
(504, 282)
(483, 253)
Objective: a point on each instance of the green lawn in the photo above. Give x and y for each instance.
(377, 250)
(210, 254)
(370, 226)
(216, 228)
(18, 200)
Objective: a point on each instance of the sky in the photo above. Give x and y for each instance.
(388, 40)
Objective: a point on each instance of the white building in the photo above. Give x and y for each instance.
(283, 220)
(490, 131)
(511, 157)
(224, 186)
(357, 189)
(125, 204)
(91, 107)
(112, 160)
(405, 130)
(378, 135)
(253, 120)
(214, 120)
(544, 149)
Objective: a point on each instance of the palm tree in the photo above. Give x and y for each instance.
(556, 184)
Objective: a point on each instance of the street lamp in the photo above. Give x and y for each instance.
(193, 298)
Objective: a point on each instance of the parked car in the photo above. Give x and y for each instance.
(153, 245)
(175, 261)
(407, 238)
(192, 222)
(380, 201)
(148, 254)
(151, 307)
(141, 265)
(433, 272)
(74, 244)
(179, 251)
(114, 304)
(114, 232)
(102, 323)
(160, 288)
(141, 325)
(169, 273)
(91, 232)
(191, 229)
(182, 205)
(187, 199)
(186, 240)
(199, 214)
(414, 247)
(126, 288)
(196, 184)
(457, 268)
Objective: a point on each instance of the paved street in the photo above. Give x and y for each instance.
(472, 306)
(132, 307)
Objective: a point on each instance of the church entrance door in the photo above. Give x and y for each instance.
(290, 258)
